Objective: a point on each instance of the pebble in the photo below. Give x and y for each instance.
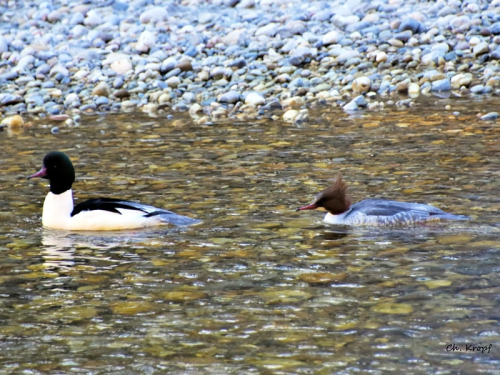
(351, 106)
(255, 99)
(72, 100)
(195, 110)
(102, 89)
(230, 97)
(142, 54)
(290, 115)
(461, 80)
(146, 41)
(490, 116)
(173, 81)
(268, 30)
(410, 24)
(441, 85)
(331, 37)
(154, 15)
(481, 48)
(302, 117)
(14, 121)
(413, 88)
(4, 45)
(361, 84)
(477, 89)
(381, 57)
(121, 66)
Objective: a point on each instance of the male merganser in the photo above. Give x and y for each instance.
(374, 212)
(94, 214)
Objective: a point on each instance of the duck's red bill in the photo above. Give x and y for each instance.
(309, 207)
(41, 173)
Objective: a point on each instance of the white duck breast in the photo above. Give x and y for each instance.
(94, 214)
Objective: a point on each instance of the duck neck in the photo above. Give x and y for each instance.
(57, 209)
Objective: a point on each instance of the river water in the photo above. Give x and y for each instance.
(257, 287)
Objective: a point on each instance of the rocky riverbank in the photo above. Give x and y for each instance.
(243, 59)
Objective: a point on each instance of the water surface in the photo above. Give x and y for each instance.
(257, 287)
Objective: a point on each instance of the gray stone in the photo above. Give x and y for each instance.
(118, 82)
(360, 101)
(9, 99)
(351, 106)
(492, 116)
(35, 99)
(495, 28)
(4, 45)
(296, 27)
(446, 11)
(477, 89)
(101, 100)
(230, 97)
(9, 75)
(43, 69)
(441, 85)
(410, 24)
(322, 15)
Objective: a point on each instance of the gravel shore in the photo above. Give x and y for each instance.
(242, 59)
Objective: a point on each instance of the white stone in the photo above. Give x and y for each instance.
(234, 37)
(150, 107)
(102, 89)
(290, 115)
(24, 63)
(348, 54)
(173, 81)
(481, 48)
(121, 66)
(361, 84)
(461, 79)
(195, 110)
(413, 88)
(146, 41)
(255, 98)
(474, 41)
(164, 98)
(72, 100)
(331, 37)
(154, 15)
(269, 30)
(381, 57)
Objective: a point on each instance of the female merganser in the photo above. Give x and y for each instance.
(94, 214)
(374, 212)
